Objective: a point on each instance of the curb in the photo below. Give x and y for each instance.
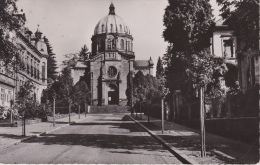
(178, 154)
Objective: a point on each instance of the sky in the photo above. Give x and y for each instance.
(69, 24)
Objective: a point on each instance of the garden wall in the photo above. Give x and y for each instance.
(242, 129)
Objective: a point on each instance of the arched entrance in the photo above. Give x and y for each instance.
(112, 94)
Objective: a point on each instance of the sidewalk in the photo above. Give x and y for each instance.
(219, 149)
(12, 135)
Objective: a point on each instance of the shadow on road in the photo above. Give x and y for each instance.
(11, 136)
(106, 141)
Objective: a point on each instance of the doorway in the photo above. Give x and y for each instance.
(111, 98)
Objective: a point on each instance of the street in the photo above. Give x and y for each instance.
(96, 139)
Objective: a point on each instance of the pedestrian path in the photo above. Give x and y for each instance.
(12, 135)
(187, 140)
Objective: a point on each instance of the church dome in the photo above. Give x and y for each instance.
(111, 24)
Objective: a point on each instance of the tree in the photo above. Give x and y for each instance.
(51, 61)
(145, 88)
(189, 25)
(81, 93)
(228, 6)
(159, 68)
(189, 63)
(26, 102)
(231, 78)
(84, 53)
(9, 21)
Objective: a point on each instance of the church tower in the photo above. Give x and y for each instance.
(111, 60)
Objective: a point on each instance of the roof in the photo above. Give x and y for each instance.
(75, 63)
(80, 64)
(141, 63)
(111, 24)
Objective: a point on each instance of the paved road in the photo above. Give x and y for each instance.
(98, 139)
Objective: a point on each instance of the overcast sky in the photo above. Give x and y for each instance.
(69, 24)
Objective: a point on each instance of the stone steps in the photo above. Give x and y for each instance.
(108, 109)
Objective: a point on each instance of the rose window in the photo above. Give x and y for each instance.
(111, 71)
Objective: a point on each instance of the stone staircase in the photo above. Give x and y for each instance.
(108, 109)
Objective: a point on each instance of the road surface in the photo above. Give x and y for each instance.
(97, 139)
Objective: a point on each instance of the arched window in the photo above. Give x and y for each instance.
(43, 72)
(114, 44)
(102, 28)
(109, 44)
(120, 28)
(111, 28)
(122, 44)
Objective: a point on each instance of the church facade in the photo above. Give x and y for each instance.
(111, 61)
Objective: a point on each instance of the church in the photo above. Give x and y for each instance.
(111, 61)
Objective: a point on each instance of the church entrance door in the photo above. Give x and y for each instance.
(112, 98)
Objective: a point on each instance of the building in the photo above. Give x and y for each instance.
(111, 61)
(245, 22)
(33, 63)
(223, 42)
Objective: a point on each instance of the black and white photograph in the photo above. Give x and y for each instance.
(129, 81)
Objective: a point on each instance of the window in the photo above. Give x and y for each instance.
(102, 28)
(228, 48)
(113, 44)
(111, 28)
(43, 72)
(122, 44)
(10, 96)
(128, 45)
(3, 95)
(109, 44)
(111, 71)
(120, 28)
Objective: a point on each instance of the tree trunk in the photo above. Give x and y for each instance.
(202, 123)
(79, 111)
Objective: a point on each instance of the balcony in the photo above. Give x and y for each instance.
(7, 80)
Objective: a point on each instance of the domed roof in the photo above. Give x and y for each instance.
(111, 23)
